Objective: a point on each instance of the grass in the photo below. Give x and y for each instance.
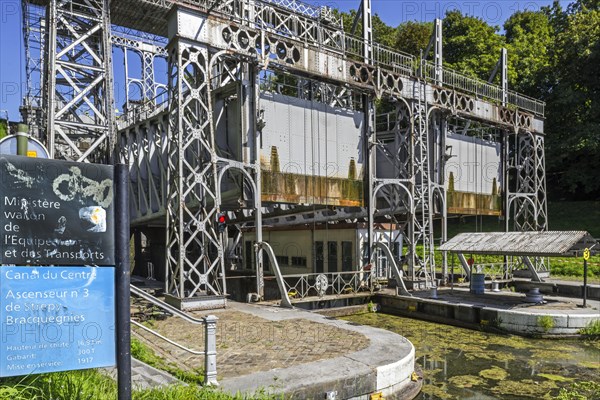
(593, 328)
(145, 354)
(545, 322)
(91, 384)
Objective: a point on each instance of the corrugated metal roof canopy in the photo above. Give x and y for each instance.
(547, 244)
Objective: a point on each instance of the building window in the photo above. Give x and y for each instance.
(249, 254)
(299, 261)
(347, 256)
(319, 258)
(282, 260)
(332, 256)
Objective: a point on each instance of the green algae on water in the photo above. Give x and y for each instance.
(438, 392)
(465, 381)
(525, 388)
(494, 373)
(556, 378)
(477, 364)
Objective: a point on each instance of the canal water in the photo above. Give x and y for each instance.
(462, 364)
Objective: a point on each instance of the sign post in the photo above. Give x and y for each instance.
(64, 267)
(122, 283)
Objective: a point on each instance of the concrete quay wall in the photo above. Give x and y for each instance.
(385, 366)
(532, 322)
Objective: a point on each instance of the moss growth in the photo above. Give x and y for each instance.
(525, 388)
(437, 392)
(556, 378)
(590, 364)
(465, 381)
(476, 354)
(580, 391)
(494, 373)
(550, 354)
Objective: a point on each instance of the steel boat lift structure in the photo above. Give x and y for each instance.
(195, 141)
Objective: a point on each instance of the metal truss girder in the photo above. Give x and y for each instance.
(194, 248)
(149, 88)
(144, 148)
(78, 92)
(528, 200)
(409, 185)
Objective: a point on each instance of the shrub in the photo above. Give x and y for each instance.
(545, 322)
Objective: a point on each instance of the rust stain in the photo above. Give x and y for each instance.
(474, 203)
(296, 188)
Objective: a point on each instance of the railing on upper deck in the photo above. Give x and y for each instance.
(481, 89)
(328, 28)
(398, 62)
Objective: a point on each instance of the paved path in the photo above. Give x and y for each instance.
(300, 353)
(248, 341)
(143, 376)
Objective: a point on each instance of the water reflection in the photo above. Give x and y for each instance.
(466, 364)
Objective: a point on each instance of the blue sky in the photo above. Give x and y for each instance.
(392, 12)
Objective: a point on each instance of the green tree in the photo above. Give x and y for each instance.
(573, 102)
(382, 33)
(413, 36)
(471, 46)
(529, 37)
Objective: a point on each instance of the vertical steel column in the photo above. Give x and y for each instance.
(194, 255)
(253, 134)
(369, 128)
(438, 60)
(148, 75)
(541, 199)
(441, 190)
(504, 80)
(122, 281)
(422, 218)
(78, 93)
(34, 29)
(367, 26)
(526, 166)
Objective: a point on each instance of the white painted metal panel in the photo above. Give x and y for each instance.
(311, 138)
(474, 164)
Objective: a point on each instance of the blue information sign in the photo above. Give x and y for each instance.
(56, 319)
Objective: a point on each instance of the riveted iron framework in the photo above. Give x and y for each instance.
(194, 250)
(78, 90)
(221, 55)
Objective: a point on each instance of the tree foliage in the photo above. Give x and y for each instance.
(573, 101)
(412, 36)
(471, 46)
(529, 37)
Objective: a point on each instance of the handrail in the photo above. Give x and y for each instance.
(167, 307)
(210, 328)
(395, 270)
(285, 299)
(174, 343)
(482, 89)
(335, 283)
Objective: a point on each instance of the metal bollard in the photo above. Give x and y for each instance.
(210, 350)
